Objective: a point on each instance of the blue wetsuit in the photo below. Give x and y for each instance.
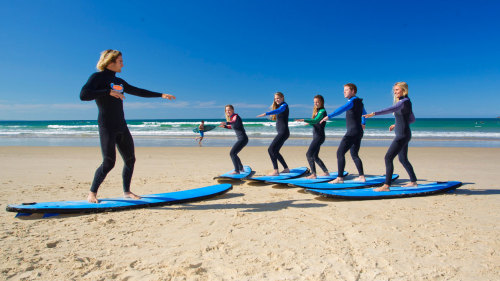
(236, 124)
(403, 114)
(354, 109)
(318, 139)
(283, 133)
(113, 130)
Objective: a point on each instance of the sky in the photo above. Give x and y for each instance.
(212, 53)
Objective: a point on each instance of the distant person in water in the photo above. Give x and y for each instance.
(312, 154)
(234, 122)
(108, 92)
(201, 129)
(403, 114)
(355, 124)
(279, 113)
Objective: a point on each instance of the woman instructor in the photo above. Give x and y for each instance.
(107, 91)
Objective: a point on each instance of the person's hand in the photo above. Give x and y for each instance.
(299, 120)
(261, 115)
(167, 96)
(363, 126)
(324, 119)
(391, 127)
(370, 115)
(116, 94)
(222, 124)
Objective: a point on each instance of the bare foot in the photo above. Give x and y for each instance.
(235, 173)
(337, 180)
(273, 174)
(92, 198)
(384, 187)
(286, 171)
(312, 176)
(361, 179)
(326, 174)
(131, 195)
(410, 184)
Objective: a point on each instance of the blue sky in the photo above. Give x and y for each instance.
(212, 53)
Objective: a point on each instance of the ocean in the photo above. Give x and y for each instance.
(427, 132)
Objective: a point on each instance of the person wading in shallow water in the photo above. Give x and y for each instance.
(107, 91)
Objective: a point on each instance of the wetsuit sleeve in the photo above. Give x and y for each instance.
(315, 120)
(363, 119)
(129, 89)
(412, 118)
(391, 109)
(89, 90)
(341, 109)
(233, 120)
(278, 110)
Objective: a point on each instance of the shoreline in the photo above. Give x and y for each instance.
(210, 141)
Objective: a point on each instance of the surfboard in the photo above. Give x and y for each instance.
(118, 204)
(319, 179)
(207, 128)
(395, 192)
(370, 181)
(297, 172)
(240, 176)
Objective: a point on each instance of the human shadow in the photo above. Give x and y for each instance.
(251, 208)
(483, 191)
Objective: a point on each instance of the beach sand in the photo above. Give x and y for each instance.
(253, 232)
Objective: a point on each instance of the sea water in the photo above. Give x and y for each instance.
(428, 132)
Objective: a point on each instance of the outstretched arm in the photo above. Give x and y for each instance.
(278, 110)
(142, 92)
(341, 109)
(321, 113)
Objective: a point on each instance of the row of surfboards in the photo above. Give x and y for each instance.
(348, 190)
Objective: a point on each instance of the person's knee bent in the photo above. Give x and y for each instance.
(108, 164)
(270, 150)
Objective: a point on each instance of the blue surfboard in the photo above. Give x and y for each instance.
(118, 204)
(206, 128)
(240, 176)
(292, 182)
(294, 173)
(370, 181)
(395, 192)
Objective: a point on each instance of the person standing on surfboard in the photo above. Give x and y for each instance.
(403, 113)
(107, 91)
(201, 130)
(280, 115)
(355, 124)
(234, 122)
(312, 154)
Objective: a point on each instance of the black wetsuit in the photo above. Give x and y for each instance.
(113, 130)
(403, 114)
(283, 133)
(354, 109)
(312, 154)
(236, 124)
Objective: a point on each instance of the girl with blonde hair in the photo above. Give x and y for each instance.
(403, 113)
(279, 113)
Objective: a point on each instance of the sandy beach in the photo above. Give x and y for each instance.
(253, 232)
